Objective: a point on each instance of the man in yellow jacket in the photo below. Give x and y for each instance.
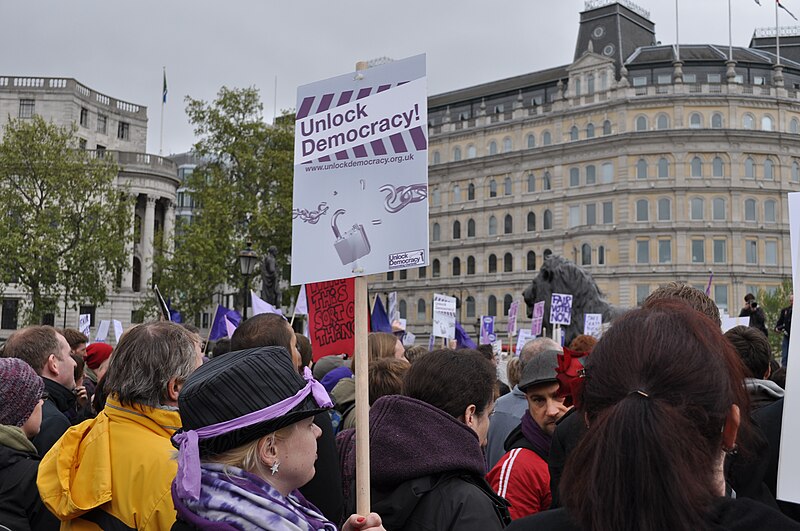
(115, 471)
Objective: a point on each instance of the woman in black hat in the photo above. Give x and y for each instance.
(248, 443)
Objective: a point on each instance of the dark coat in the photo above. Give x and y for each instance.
(54, 425)
(325, 489)
(569, 430)
(21, 507)
(758, 319)
(769, 419)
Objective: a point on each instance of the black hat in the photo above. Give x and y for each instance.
(541, 369)
(239, 383)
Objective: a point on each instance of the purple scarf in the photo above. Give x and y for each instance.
(536, 436)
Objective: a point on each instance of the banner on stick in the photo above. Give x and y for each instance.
(538, 319)
(444, 316)
(331, 308)
(593, 325)
(487, 335)
(512, 318)
(560, 309)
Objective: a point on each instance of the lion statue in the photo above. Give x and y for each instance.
(559, 275)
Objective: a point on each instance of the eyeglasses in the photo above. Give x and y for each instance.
(45, 395)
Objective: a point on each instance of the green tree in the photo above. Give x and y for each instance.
(63, 220)
(242, 192)
(772, 303)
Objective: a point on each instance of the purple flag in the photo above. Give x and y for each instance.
(380, 321)
(218, 327)
(462, 339)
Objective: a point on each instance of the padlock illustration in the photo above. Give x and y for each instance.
(351, 245)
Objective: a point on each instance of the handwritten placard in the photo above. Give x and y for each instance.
(84, 323)
(512, 318)
(593, 325)
(538, 319)
(331, 308)
(560, 309)
(523, 337)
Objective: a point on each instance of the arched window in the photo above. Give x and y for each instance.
(607, 127)
(456, 267)
(436, 197)
(491, 306)
(768, 175)
(642, 208)
(472, 152)
(508, 224)
(748, 122)
(574, 177)
(421, 314)
(507, 145)
(546, 182)
(664, 209)
(402, 307)
(573, 133)
(769, 211)
(470, 306)
(766, 123)
(508, 263)
(471, 192)
(716, 121)
(436, 268)
(492, 226)
(718, 209)
(530, 261)
(663, 168)
(507, 190)
(457, 154)
(531, 227)
(586, 254)
(662, 121)
(749, 168)
(547, 138)
(531, 141)
(795, 172)
(470, 265)
(607, 173)
(641, 169)
(697, 167)
(456, 194)
(456, 230)
(470, 228)
(577, 86)
(641, 123)
(590, 84)
(749, 209)
(492, 263)
(696, 208)
(601, 255)
(437, 232)
(718, 167)
(548, 220)
(437, 158)
(695, 120)
(794, 126)
(492, 148)
(507, 300)
(531, 182)
(590, 131)
(492, 188)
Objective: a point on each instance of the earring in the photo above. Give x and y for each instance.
(274, 467)
(733, 450)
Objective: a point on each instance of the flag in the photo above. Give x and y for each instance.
(380, 321)
(784, 8)
(708, 288)
(462, 339)
(301, 306)
(164, 90)
(218, 327)
(230, 328)
(262, 306)
(174, 315)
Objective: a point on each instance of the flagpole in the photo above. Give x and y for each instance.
(677, 33)
(210, 328)
(777, 37)
(730, 34)
(161, 136)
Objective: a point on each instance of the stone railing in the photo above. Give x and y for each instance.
(130, 160)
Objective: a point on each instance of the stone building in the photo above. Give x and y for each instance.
(111, 128)
(642, 162)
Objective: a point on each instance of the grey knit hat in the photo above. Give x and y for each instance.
(20, 391)
(541, 369)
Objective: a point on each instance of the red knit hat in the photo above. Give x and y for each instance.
(97, 353)
(20, 391)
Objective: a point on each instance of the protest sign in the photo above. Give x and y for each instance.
(593, 324)
(497, 347)
(85, 323)
(431, 341)
(512, 318)
(523, 337)
(444, 316)
(117, 329)
(102, 330)
(392, 310)
(538, 319)
(361, 173)
(408, 339)
(487, 335)
(729, 322)
(331, 308)
(560, 309)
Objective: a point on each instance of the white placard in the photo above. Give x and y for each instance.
(102, 330)
(524, 336)
(497, 347)
(117, 329)
(593, 325)
(729, 322)
(560, 309)
(84, 324)
(409, 339)
(360, 203)
(444, 316)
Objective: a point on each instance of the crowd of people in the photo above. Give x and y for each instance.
(664, 423)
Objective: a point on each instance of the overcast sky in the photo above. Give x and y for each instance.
(119, 47)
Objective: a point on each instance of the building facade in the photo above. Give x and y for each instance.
(644, 163)
(113, 128)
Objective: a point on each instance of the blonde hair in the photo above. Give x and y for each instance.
(514, 371)
(247, 456)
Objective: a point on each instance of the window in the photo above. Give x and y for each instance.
(470, 306)
(124, 131)
(643, 252)
(456, 230)
(492, 188)
(8, 317)
(716, 121)
(492, 148)
(546, 182)
(642, 291)
(456, 267)
(437, 232)
(508, 263)
(664, 251)
(574, 177)
(766, 123)
(508, 224)
(548, 220)
(531, 225)
(695, 120)
(470, 265)
(608, 212)
(696, 207)
(591, 214)
(507, 188)
(437, 158)
(507, 145)
(749, 168)
(421, 313)
(662, 121)
(436, 198)
(531, 182)
(491, 306)
(641, 123)
(698, 251)
(641, 210)
(27, 108)
(794, 127)
(721, 296)
(641, 169)
(768, 169)
(573, 133)
(586, 254)
(492, 263)
(591, 174)
(507, 300)
(531, 141)
(749, 209)
(470, 228)
(751, 251)
(422, 272)
(714, 78)
(717, 167)
(82, 143)
(457, 154)
(403, 274)
(607, 173)
(471, 192)
(690, 78)
(663, 168)
(607, 127)
(590, 84)
(719, 251)
(472, 152)
(402, 308)
(771, 253)
(436, 269)
(697, 167)
(664, 209)
(84, 120)
(102, 124)
(492, 226)
(547, 138)
(530, 261)
(601, 255)
(769, 211)
(664, 79)
(639, 81)
(590, 131)
(795, 172)
(456, 194)
(748, 122)
(574, 216)
(718, 208)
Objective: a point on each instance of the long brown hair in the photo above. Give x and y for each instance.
(659, 386)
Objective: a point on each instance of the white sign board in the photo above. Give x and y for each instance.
(84, 323)
(524, 337)
(408, 339)
(102, 330)
(497, 347)
(117, 329)
(361, 173)
(444, 316)
(560, 309)
(729, 322)
(593, 325)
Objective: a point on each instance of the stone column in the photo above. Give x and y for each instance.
(127, 273)
(148, 227)
(169, 227)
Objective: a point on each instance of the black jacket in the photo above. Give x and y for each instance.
(21, 508)
(325, 489)
(54, 424)
(758, 318)
(569, 430)
(769, 419)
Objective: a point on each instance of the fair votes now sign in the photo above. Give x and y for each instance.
(444, 316)
(360, 198)
(560, 309)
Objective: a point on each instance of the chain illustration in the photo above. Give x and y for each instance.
(310, 216)
(402, 196)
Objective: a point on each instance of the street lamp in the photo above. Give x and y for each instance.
(247, 263)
